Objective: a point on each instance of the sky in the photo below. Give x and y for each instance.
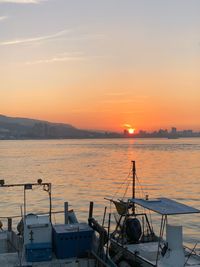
(101, 64)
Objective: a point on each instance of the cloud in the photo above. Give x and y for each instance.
(3, 17)
(117, 94)
(127, 125)
(56, 59)
(118, 101)
(22, 1)
(35, 39)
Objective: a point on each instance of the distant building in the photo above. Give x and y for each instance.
(125, 132)
(162, 133)
(187, 133)
(173, 130)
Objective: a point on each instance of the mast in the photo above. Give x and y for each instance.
(133, 189)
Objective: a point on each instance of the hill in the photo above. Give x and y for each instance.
(25, 128)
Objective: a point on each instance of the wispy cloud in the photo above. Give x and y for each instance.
(56, 59)
(22, 1)
(118, 101)
(35, 39)
(3, 17)
(117, 94)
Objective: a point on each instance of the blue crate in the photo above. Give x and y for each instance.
(72, 240)
(36, 252)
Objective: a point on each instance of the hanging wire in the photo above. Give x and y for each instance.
(128, 183)
(143, 196)
(125, 181)
(141, 187)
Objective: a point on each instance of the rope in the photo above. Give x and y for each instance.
(125, 180)
(141, 188)
(190, 254)
(128, 181)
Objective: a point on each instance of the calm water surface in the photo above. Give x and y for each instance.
(90, 170)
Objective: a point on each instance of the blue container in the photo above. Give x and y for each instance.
(37, 252)
(72, 240)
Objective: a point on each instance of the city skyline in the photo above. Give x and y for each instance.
(13, 128)
(103, 64)
(7, 123)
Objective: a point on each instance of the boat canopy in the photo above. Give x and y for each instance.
(165, 206)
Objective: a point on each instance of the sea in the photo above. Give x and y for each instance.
(84, 170)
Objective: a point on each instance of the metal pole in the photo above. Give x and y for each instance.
(50, 202)
(9, 224)
(24, 202)
(66, 212)
(159, 240)
(91, 209)
(104, 216)
(107, 246)
(133, 189)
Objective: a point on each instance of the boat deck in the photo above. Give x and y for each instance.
(149, 251)
(12, 260)
(145, 250)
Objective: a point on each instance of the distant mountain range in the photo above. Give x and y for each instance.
(25, 128)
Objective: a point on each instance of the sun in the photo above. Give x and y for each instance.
(131, 130)
(128, 130)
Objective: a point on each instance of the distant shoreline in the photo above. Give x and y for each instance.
(13, 128)
(100, 138)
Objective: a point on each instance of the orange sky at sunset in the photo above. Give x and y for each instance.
(100, 65)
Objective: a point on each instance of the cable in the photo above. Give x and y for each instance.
(128, 183)
(140, 185)
(125, 180)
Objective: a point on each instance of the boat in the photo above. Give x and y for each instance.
(173, 137)
(133, 241)
(40, 243)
